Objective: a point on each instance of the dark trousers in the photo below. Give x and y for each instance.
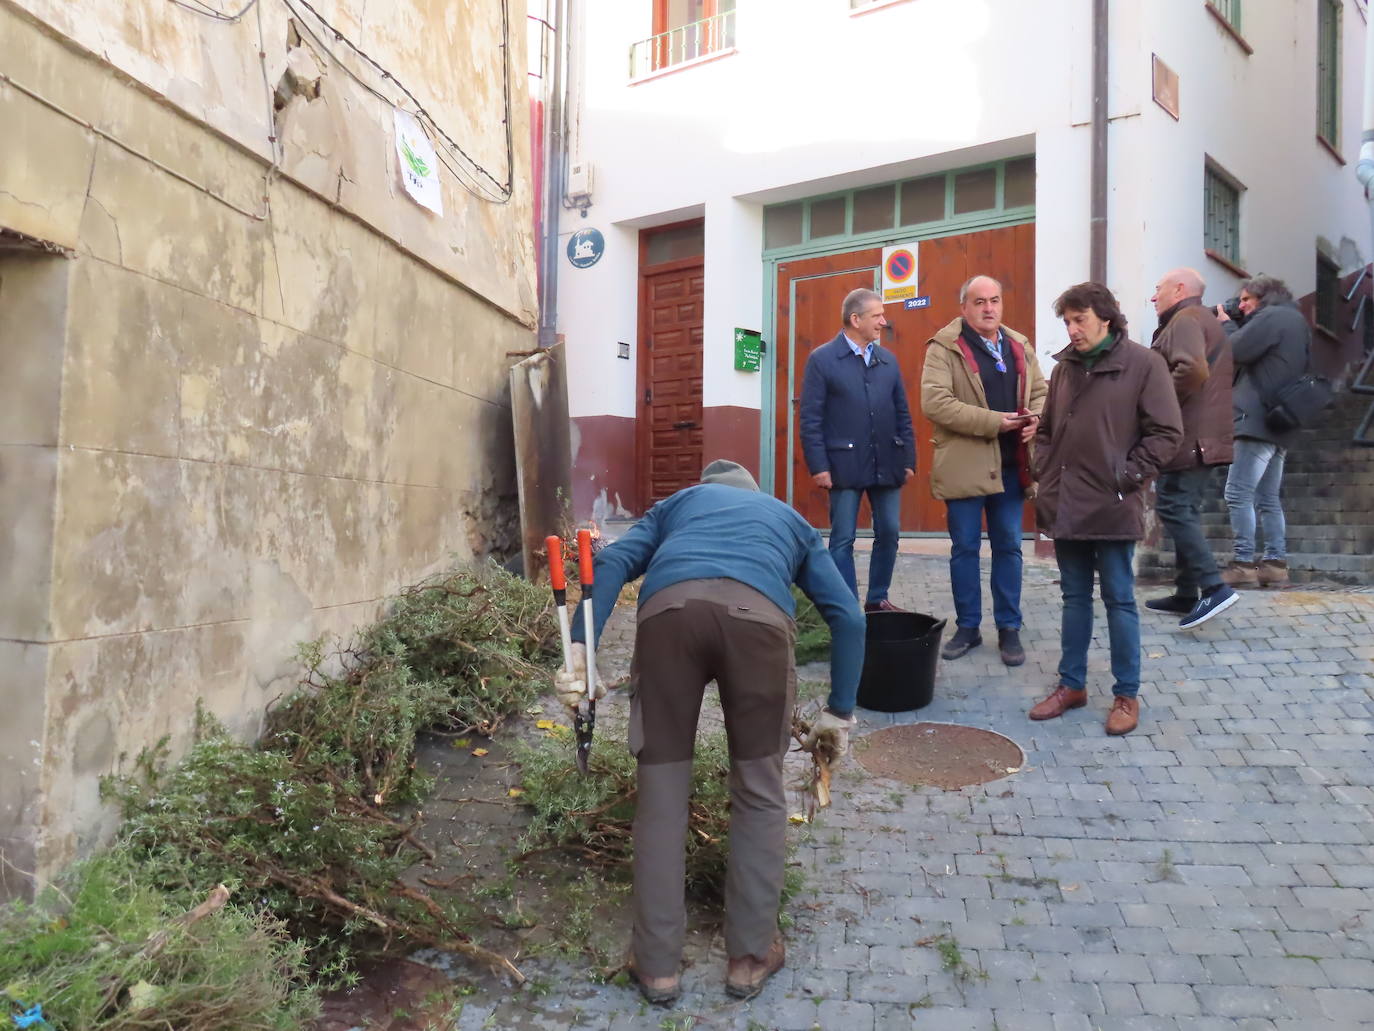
(688, 635)
(1178, 502)
(965, 516)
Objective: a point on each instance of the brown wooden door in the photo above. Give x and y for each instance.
(810, 292)
(670, 426)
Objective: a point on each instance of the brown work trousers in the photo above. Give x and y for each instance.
(688, 635)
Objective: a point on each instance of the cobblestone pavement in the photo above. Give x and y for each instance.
(1212, 870)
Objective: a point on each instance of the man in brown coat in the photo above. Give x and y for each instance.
(1194, 346)
(1111, 420)
(982, 388)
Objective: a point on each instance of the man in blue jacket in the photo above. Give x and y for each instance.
(856, 437)
(718, 561)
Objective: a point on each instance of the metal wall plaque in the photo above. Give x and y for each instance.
(1165, 86)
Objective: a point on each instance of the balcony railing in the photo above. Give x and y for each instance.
(685, 43)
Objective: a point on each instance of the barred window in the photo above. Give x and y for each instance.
(1221, 214)
(1329, 70)
(1229, 10)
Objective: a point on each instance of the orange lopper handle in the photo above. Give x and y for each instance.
(584, 557)
(557, 577)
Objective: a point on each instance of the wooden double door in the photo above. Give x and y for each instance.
(810, 293)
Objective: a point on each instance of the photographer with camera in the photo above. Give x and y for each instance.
(1270, 351)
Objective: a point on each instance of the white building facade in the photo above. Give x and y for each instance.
(745, 163)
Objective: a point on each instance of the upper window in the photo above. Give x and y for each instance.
(683, 31)
(1229, 11)
(1329, 71)
(1221, 215)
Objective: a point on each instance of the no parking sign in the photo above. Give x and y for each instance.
(899, 272)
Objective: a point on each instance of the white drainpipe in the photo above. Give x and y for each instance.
(1364, 169)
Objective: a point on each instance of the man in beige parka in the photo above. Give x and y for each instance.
(983, 390)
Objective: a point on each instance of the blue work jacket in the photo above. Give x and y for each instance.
(855, 422)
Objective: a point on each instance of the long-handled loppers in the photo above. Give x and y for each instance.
(584, 722)
(559, 580)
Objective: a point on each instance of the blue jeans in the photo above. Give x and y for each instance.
(1253, 483)
(1112, 561)
(965, 519)
(844, 517)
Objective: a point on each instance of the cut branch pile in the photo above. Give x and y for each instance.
(303, 824)
(591, 817)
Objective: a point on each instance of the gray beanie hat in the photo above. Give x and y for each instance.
(732, 474)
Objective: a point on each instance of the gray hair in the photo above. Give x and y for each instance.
(1268, 290)
(963, 290)
(854, 303)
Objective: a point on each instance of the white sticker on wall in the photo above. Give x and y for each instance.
(418, 163)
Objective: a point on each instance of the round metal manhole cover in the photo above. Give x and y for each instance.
(943, 755)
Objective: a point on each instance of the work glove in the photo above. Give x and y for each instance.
(830, 734)
(572, 687)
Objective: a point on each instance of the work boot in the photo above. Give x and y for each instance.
(745, 976)
(658, 991)
(964, 640)
(1218, 599)
(1241, 574)
(1009, 646)
(1059, 701)
(1125, 715)
(1273, 572)
(1182, 604)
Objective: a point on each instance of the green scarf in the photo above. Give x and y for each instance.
(1091, 358)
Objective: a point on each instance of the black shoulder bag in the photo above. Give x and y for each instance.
(1299, 403)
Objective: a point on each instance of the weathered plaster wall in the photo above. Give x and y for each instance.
(33, 295)
(282, 396)
(448, 53)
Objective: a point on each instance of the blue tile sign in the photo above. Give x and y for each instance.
(916, 302)
(585, 247)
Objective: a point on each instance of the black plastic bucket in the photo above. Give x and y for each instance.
(901, 651)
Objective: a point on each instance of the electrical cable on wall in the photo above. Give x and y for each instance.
(504, 188)
(199, 7)
(470, 178)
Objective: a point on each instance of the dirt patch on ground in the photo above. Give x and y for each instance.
(943, 755)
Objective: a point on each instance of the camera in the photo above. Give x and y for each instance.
(1231, 306)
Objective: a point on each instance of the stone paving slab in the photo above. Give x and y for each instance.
(1212, 870)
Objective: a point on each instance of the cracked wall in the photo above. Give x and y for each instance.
(252, 405)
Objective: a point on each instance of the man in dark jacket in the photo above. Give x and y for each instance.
(1270, 351)
(1111, 421)
(1192, 343)
(857, 438)
(718, 561)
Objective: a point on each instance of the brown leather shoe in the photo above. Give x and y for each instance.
(882, 606)
(659, 991)
(1060, 701)
(744, 977)
(1241, 574)
(1273, 572)
(1125, 715)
